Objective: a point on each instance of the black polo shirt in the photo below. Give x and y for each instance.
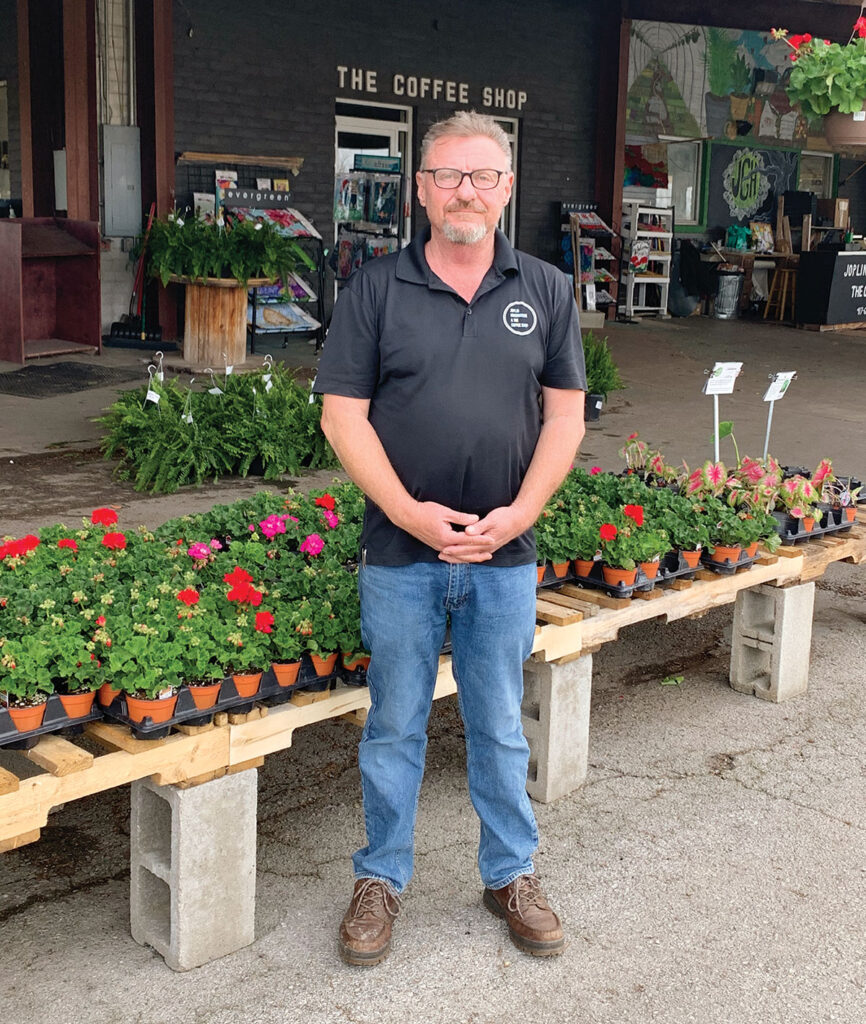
(454, 387)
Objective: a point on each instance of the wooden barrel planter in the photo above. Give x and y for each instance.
(215, 320)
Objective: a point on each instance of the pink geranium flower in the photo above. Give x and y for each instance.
(273, 525)
(312, 544)
(200, 552)
(331, 518)
(595, 471)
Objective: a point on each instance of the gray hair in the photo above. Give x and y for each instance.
(466, 124)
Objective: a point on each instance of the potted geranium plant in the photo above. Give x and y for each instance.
(829, 80)
(25, 679)
(627, 543)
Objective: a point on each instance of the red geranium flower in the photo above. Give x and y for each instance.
(67, 542)
(100, 621)
(859, 28)
(264, 622)
(634, 512)
(237, 576)
(188, 596)
(115, 541)
(608, 531)
(326, 501)
(104, 516)
(16, 548)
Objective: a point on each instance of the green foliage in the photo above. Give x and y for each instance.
(197, 249)
(829, 76)
(160, 450)
(602, 374)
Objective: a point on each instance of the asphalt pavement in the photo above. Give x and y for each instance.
(711, 869)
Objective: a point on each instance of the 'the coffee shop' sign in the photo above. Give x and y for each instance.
(400, 84)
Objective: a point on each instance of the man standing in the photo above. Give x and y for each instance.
(453, 384)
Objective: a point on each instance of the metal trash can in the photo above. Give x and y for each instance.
(730, 288)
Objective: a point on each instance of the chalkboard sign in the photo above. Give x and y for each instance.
(744, 184)
(831, 288)
(848, 290)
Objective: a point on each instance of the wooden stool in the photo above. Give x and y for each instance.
(784, 283)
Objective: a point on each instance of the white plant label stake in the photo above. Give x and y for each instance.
(186, 415)
(720, 381)
(151, 396)
(778, 386)
(215, 389)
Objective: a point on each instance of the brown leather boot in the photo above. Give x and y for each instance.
(365, 932)
(532, 925)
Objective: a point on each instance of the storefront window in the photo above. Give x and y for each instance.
(683, 191)
(816, 174)
(508, 220)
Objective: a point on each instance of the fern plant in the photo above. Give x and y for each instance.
(189, 436)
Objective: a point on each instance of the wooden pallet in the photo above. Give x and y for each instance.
(186, 758)
(708, 590)
(575, 622)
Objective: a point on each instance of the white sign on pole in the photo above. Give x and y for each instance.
(721, 379)
(779, 385)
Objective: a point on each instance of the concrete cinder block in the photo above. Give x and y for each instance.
(193, 868)
(555, 713)
(771, 641)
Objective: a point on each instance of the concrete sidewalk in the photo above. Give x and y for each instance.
(711, 869)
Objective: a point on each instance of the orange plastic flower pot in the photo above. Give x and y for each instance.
(808, 523)
(614, 576)
(205, 697)
(353, 661)
(106, 694)
(324, 666)
(560, 569)
(287, 672)
(583, 566)
(752, 549)
(850, 513)
(247, 683)
(691, 558)
(650, 569)
(157, 709)
(540, 572)
(29, 717)
(723, 553)
(77, 705)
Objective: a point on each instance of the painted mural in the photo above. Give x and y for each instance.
(696, 82)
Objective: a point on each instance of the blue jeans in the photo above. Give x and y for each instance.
(404, 611)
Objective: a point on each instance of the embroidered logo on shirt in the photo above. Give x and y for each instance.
(519, 318)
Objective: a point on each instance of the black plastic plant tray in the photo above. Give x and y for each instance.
(186, 712)
(834, 521)
(671, 566)
(55, 720)
(729, 568)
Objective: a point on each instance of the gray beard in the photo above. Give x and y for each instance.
(465, 234)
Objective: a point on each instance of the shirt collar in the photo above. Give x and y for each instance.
(412, 263)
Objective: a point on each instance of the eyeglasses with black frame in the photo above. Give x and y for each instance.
(451, 178)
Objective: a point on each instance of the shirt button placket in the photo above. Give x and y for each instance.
(468, 323)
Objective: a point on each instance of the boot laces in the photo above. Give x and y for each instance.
(372, 896)
(526, 893)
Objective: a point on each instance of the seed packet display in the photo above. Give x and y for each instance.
(350, 196)
(383, 200)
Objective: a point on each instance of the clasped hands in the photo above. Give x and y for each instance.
(433, 524)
